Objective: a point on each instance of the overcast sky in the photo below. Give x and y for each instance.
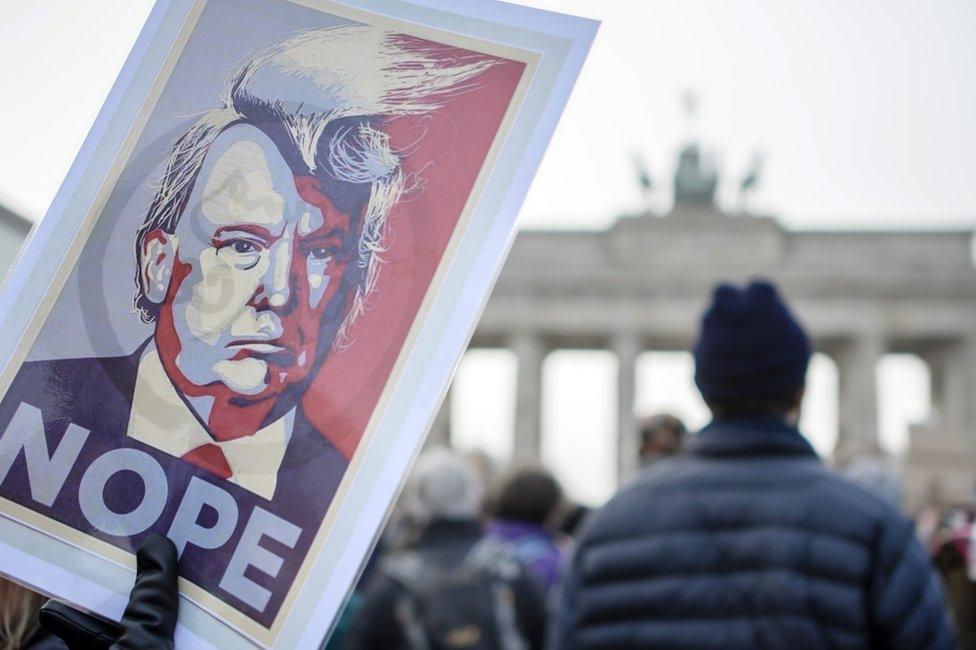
(863, 110)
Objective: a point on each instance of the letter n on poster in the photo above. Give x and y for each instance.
(236, 322)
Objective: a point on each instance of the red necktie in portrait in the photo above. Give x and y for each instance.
(211, 458)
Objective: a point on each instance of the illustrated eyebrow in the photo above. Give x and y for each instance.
(255, 231)
(335, 232)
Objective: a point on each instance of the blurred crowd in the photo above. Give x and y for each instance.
(736, 536)
(439, 523)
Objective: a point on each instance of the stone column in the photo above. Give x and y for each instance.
(858, 400)
(967, 387)
(440, 431)
(938, 467)
(627, 347)
(530, 353)
(953, 371)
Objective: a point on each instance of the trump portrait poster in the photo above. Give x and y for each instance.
(238, 318)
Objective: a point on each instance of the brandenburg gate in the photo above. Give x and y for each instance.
(642, 283)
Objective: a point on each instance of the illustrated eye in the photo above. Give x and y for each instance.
(242, 253)
(319, 253)
(243, 246)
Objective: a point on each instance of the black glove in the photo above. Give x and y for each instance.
(149, 620)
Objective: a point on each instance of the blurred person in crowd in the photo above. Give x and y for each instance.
(661, 436)
(453, 587)
(570, 525)
(952, 557)
(572, 520)
(487, 470)
(748, 541)
(19, 627)
(527, 508)
(340, 630)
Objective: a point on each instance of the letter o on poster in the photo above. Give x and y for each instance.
(91, 492)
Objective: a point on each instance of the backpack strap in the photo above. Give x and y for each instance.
(495, 559)
(509, 636)
(408, 569)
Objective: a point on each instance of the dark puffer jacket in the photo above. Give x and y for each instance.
(749, 542)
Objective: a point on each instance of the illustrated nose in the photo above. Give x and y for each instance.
(276, 283)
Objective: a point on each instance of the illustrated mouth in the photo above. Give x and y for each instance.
(270, 351)
(264, 347)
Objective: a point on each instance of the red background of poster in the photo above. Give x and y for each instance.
(448, 156)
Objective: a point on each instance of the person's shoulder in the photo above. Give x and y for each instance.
(89, 392)
(853, 500)
(310, 449)
(664, 476)
(398, 572)
(628, 507)
(60, 380)
(78, 372)
(679, 490)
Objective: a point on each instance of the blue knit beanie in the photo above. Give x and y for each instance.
(750, 347)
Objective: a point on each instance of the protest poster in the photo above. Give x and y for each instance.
(237, 320)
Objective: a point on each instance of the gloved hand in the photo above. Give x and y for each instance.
(149, 620)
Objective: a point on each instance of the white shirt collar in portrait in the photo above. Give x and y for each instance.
(161, 419)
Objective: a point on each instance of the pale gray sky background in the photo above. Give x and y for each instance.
(864, 110)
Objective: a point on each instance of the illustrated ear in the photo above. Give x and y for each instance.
(157, 260)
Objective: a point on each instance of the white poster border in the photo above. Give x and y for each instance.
(53, 565)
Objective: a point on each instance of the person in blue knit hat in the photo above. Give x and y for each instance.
(752, 355)
(748, 541)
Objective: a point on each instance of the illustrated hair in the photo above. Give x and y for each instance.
(322, 96)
